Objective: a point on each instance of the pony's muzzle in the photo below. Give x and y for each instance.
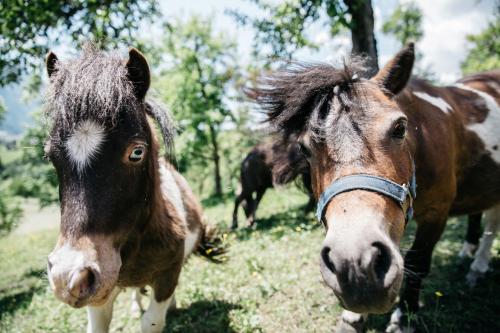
(74, 287)
(84, 271)
(364, 274)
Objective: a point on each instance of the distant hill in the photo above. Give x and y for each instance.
(18, 116)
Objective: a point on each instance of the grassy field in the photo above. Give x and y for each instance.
(271, 282)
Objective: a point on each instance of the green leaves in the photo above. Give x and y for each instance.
(3, 109)
(405, 23)
(283, 26)
(195, 84)
(485, 53)
(28, 27)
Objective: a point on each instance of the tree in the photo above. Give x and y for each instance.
(405, 24)
(485, 53)
(26, 27)
(284, 27)
(3, 110)
(195, 85)
(10, 212)
(33, 175)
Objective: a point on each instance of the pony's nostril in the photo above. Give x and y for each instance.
(82, 283)
(325, 256)
(381, 260)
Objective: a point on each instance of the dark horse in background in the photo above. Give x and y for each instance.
(266, 165)
(128, 218)
(366, 142)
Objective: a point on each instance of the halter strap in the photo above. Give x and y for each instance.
(402, 194)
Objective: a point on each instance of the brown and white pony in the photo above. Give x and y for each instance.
(258, 172)
(128, 219)
(349, 126)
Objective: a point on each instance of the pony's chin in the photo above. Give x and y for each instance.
(378, 307)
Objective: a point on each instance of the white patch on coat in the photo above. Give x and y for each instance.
(467, 250)
(396, 316)
(395, 324)
(488, 129)
(99, 317)
(436, 101)
(483, 254)
(353, 317)
(153, 320)
(84, 143)
(190, 241)
(173, 193)
(136, 307)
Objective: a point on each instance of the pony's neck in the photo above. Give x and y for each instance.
(162, 219)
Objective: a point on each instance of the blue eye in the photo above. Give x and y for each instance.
(137, 154)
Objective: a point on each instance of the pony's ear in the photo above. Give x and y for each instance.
(396, 73)
(138, 73)
(50, 63)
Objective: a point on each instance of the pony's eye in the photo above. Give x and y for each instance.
(137, 154)
(399, 130)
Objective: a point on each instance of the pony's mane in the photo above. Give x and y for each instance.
(290, 95)
(96, 86)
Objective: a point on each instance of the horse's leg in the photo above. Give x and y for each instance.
(417, 266)
(482, 259)
(237, 202)
(250, 202)
(472, 236)
(153, 320)
(306, 181)
(247, 203)
(350, 322)
(136, 307)
(99, 317)
(258, 198)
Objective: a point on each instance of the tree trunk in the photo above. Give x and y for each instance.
(216, 160)
(213, 132)
(362, 35)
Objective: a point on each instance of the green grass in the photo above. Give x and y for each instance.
(271, 282)
(8, 156)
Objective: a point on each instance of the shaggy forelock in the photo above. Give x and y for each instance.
(290, 96)
(94, 86)
(329, 103)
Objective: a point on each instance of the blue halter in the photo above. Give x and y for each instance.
(402, 194)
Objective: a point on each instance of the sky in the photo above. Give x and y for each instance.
(446, 23)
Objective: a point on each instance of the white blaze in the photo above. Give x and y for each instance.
(84, 143)
(488, 129)
(436, 101)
